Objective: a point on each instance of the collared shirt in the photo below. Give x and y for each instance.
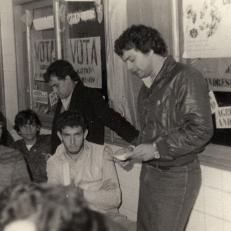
(66, 102)
(94, 172)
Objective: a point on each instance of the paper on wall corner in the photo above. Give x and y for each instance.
(44, 23)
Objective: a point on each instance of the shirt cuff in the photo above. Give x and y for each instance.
(156, 152)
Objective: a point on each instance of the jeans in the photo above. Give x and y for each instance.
(167, 196)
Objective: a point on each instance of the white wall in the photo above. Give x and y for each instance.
(9, 60)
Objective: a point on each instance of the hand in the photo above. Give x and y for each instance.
(123, 153)
(143, 152)
(108, 185)
(46, 155)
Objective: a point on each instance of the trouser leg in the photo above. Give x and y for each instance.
(167, 197)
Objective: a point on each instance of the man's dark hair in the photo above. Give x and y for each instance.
(142, 38)
(70, 119)
(61, 68)
(26, 117)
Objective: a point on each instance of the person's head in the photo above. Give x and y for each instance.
(48, 207)
(72, 131)
(61, 76)
(27, 125)
(141, 47)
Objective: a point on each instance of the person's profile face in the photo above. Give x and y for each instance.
(72, 139)
(140, 64)
(62, 87)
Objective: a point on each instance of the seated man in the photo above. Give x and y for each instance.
(86, 165)
(35, 147)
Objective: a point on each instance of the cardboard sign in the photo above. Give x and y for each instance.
(223, 117)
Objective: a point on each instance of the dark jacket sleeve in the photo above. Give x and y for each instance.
(112, 119)
(195, 121)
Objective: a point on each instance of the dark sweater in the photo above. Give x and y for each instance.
(13, 168)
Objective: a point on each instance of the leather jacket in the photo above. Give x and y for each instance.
(175, 113)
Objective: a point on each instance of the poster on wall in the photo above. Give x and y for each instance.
(43, 53)
(84, 54)
(205, 24)
(217, 72)
(85, 43)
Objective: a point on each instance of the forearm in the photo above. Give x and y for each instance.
(103, 199)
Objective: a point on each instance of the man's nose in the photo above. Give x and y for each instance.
(28, 127)
(72, 140)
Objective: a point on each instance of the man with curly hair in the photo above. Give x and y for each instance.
(176, 124)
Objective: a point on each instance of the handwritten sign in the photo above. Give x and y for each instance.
(85, 56)
(43, 53)
(205, 25)
(223, 117)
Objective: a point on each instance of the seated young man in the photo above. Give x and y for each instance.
(35, 147)
(86, 165)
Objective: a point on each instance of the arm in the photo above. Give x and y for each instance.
(113, 119)
(53, 170)
(20, 173)
(195, 121)
(109, 194)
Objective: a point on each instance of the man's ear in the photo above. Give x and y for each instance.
(60, 136)
(85, 133)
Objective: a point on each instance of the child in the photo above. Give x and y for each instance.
(35, 147)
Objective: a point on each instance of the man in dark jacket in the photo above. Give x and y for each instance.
(176, 125)
(88, 102)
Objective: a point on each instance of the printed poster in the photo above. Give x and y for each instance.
(217, 72)
(207, 28)
(43, 53)
(85, 45)
(84, 54)
(223, 117)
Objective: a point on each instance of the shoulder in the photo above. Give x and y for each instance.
(93, 93)
(58, 157)
(19, 143)
(99, 150)
(9, 154)
(188, 72)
